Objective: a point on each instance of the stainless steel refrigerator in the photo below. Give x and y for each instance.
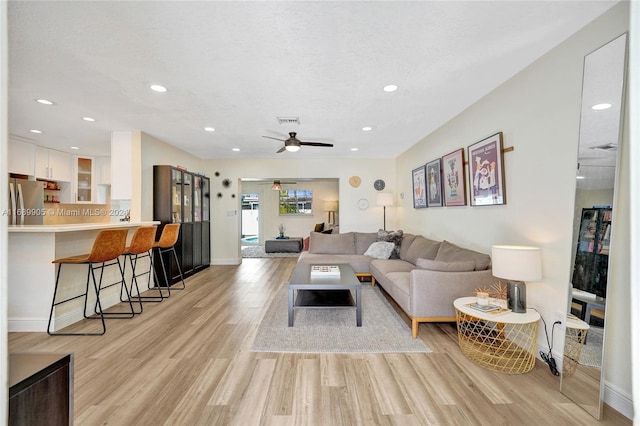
(26, 202)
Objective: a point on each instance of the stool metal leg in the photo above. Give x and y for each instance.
(85, 295)
(133, 259)
(123, 286)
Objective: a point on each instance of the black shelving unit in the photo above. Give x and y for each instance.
(180, 196)
(592, 251)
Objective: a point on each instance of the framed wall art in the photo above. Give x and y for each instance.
(419, 188)
(454, 184)
(434, 183)
(486, 172)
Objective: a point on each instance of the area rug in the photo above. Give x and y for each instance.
(258, 251)
(334, 329)
(591, 354)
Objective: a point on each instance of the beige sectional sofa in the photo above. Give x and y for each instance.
(428, 276)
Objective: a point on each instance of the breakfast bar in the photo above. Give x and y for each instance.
(31, 275)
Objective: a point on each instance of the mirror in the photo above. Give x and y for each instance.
(600, 119)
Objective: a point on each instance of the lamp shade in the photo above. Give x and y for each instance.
(516, 263)
(330, 206)
(384, 199)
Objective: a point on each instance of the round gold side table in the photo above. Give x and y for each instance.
(575, 337)
(503, 342)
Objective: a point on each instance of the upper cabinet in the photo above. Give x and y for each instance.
(52, 165)
(84, 180)
(21, 158)
(103, 170)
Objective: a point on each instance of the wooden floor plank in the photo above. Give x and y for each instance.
(187, 361)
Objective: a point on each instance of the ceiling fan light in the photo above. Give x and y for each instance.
(276, 186)
(292, 148)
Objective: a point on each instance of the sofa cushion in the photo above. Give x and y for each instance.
(364, 240)
(438, 265)
(386, 266)
(392, 236)
(359, 262)
(380, 249)
(422, 248)
(332, 243)
(449, 252)
(319, 227)
(407, 239)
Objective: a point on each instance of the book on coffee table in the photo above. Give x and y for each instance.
(325, 271)
(489, 309)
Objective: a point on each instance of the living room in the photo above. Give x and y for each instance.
(538, 113)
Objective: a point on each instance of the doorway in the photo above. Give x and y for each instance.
(250, 220)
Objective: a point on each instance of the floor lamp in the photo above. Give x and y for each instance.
(384, 199)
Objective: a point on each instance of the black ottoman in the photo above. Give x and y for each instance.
(284, 245)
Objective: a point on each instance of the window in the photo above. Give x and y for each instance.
(295, 201)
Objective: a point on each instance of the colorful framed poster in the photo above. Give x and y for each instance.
(486, 172)
(434, 183)
(419, 187)
(454, 181)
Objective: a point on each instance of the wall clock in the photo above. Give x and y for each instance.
(363, 203)
(378, 185)
(355, 181)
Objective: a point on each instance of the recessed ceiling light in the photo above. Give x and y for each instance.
(74, 147)
(390, 88)
(88, 119)
(235, 149)
(366, 128)
(579, 177)
(44, 101)
(209, 129)
(35, 131)
(354, 149)
(158, 88)
(600, 107)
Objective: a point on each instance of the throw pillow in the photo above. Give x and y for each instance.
(394, 237)
(380, 250)
(328, 231)
(319, 227)
(437, 265)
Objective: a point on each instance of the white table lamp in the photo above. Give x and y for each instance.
(516, 264)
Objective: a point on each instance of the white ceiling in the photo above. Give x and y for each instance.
(236, 66)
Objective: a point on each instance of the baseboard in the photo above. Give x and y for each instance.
(618, 399)
(228, 261)
(24, 325)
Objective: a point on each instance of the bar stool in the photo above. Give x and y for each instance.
(107, 247)
(139, 248)
(166, 243)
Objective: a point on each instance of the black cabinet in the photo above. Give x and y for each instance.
(183, 197)
(40, 389)
(592, 251)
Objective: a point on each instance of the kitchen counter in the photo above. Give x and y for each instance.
(31, 275)
(77, 226)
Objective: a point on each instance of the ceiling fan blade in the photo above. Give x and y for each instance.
(280, 150)
(276, 139)
(316, 144)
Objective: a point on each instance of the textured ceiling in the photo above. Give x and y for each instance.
(236, 66)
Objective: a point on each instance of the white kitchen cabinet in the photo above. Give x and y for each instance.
(52, 165)
(22, 158)
(84, 180)
(103, 170)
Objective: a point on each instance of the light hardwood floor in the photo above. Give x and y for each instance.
(187, 361)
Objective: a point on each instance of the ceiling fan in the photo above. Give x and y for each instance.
(293, 144)
(277, 184)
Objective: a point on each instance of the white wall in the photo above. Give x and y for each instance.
(538, 111)
(226, 225)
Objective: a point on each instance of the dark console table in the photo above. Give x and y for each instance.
(283, 245)
(40, 389)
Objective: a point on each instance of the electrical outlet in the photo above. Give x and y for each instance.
(562, 317)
